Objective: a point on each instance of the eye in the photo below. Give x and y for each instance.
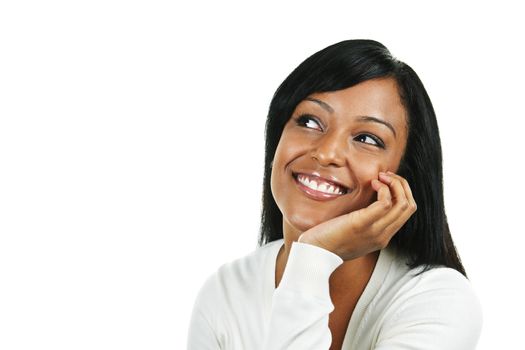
(376, 140)
(307, 120)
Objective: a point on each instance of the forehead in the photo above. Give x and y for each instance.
(376, 97)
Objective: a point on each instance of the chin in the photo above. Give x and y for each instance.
(301, 223)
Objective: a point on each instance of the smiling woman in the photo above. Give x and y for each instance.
(355, 247)
(346, 136)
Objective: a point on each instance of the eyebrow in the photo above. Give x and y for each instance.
(321, 103)
(364, 118)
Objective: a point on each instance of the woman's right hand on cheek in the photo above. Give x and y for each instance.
(369, 229)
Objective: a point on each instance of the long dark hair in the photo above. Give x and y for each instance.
(425, 238)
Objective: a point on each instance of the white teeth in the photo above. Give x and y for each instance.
(332, 189)
(324, 187)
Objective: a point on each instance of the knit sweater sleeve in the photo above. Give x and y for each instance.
(301, 304)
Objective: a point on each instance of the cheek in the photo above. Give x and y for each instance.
(288, 149)
(282, 157)
(364, 173)
(367, 169)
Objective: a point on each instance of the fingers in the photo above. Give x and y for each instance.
(384, 195)
(401, 202)
(404, 205)
(405, 190)
(394, 204)
(406, 186)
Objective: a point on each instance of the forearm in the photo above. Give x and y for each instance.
(301, 303)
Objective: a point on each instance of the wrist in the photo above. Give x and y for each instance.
(309, 239)
(303, 238)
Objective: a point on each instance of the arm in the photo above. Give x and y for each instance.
(300, 306)
(442, 312)
(301, 303)
(201, 335)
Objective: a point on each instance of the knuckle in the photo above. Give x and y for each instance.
(375, 227)
(414, 206)
(379, 237)
(386, 204)
(405, 205)
(381, 241)
(376, 243)
(358, 218)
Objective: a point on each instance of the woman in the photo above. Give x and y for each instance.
(355, 247)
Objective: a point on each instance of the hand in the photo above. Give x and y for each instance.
(369, 229)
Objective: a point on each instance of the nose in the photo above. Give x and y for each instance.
(330, 150)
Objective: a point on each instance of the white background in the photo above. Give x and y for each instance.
(132, 140)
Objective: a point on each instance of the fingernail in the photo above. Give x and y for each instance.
(389, 172)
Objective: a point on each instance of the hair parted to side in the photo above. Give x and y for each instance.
(425, 238)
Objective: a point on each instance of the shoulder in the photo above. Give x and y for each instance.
(235, 281)
(443, 290)
(435, 283)
(249, 267)
(438, 303)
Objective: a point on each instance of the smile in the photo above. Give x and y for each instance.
(318, 189)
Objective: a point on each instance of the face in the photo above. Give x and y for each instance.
(339, 141)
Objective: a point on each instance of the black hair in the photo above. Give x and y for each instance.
(425, 238)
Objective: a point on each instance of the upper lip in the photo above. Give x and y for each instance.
(325, 177)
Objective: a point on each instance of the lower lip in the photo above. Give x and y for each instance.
(320, 196)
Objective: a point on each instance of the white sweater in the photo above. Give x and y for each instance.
(239, 308)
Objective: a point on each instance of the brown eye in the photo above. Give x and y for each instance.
(376, 141)
(308, 122)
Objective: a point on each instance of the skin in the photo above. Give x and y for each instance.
(355, 226)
